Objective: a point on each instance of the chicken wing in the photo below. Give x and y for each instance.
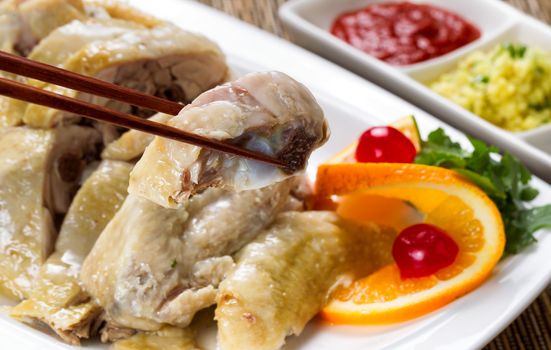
(266, 112)
(154, 266)
(57, 298)
(39, 172)
(283, 278)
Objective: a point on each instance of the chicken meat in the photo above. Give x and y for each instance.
(62, 43)
(267, 112)
(57, 298)
(39, 173)
(116, 9)
(164, 61)
(26, 22)
(56, 48)
(284, 277)
(167, 338)
(154, 265)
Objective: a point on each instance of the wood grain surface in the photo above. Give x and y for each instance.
(532, 329)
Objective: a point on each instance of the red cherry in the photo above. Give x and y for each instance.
(421, 250)
(384, 144)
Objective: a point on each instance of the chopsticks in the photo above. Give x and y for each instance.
(54, 75)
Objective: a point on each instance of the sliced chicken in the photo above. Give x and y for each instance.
(111, 333)
(266, 112)
(164, 61)
(38, 18)
(11, 110)
(116, 9)
(39, 173)
(283, 278)
(154, 266)
(22, 25)
(168, 338)
(67, 40)
(56, 48)
(9, 25)
(57, 298)
(28, 23)
(9, 35)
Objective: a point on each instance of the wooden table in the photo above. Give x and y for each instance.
(532, 329)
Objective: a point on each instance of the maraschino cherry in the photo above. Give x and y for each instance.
(384, 144)
(421, 250)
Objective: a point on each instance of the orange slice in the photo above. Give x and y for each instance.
(446, 200)
(407, 125)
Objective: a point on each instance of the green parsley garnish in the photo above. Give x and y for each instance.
(173, 264)
(504, 178)
(541, 106)
(481, 79)
(515, 51)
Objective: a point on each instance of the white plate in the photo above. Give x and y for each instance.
(309, 21)
(351, 105)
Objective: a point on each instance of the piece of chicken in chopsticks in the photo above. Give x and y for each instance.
(266, 112)
(39, 173)
(57, 298)
(56, 48)
(283, 278)
(164, 61)
(153, 265)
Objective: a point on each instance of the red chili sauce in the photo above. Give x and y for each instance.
(403, 33)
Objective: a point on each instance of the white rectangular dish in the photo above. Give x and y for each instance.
(309, 22)
(351, 105)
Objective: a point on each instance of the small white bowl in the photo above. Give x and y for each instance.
(309, 21)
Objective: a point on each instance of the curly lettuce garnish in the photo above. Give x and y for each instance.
(503, 177)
